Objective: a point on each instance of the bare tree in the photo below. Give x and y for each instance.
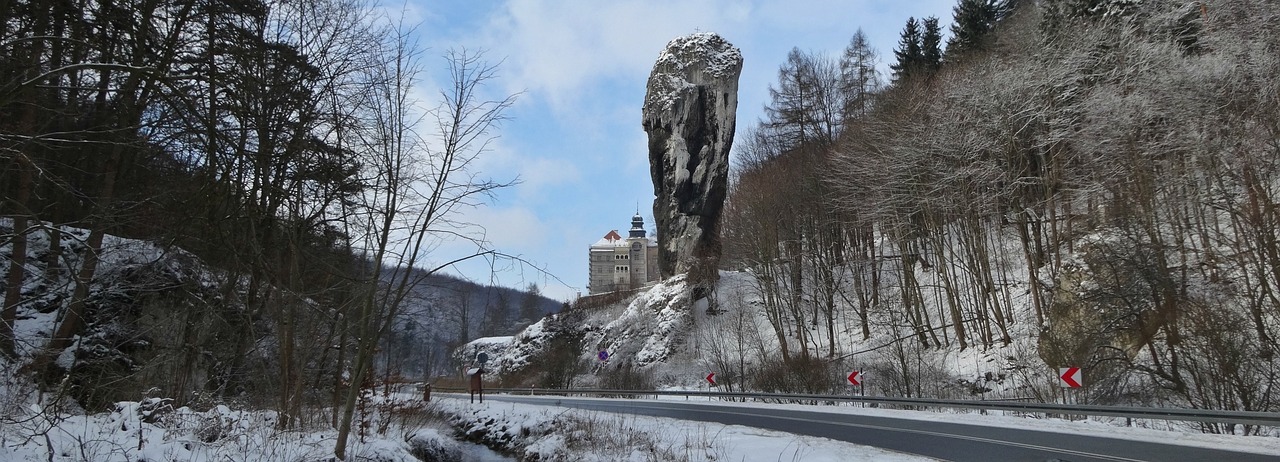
(497, 313)
(807, 106)
(419, 187)
(859, 79)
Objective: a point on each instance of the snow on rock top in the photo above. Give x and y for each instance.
(688, 61)
(508, 354)
(494, 347)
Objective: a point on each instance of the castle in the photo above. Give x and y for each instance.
(622, 264)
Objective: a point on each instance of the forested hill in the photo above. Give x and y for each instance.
(1106, 172)
(150, 306)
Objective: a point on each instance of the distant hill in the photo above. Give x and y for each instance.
(448, 312)
(161, 318)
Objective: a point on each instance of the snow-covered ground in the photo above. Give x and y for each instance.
(560, 434)
(148, 432)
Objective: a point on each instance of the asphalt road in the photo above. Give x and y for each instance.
(941, 440)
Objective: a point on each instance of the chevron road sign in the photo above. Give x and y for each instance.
(1070, 377)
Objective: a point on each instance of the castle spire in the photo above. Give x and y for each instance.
(637, 225)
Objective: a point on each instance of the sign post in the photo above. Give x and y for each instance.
(856, 379)
(1069, 377)
(477, 383)
(476, 380)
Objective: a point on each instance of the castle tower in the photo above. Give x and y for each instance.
(637, 226)
(623, 264)
(638, 244)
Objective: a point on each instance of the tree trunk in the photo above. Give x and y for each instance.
(53, 259)
(363, 359)
(73, 322)
(1033, 269)
(17, 262)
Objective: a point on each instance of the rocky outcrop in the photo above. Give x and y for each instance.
(689, 113)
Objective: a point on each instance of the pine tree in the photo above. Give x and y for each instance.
(974, 20)
(931, 45)
(909, 53)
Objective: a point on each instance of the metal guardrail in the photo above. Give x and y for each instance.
(1181, 414)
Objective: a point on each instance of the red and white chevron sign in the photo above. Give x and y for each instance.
(1070, 377)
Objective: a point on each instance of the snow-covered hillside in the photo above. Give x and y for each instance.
(661, 334)
(659, 338)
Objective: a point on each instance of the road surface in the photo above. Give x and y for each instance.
(941, 440)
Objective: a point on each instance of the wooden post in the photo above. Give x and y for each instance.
(477, 385)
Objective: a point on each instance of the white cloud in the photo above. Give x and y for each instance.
(407, 13)
(539, 173)
(559, 47)
(538, 168)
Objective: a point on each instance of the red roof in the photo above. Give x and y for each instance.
(613, 236)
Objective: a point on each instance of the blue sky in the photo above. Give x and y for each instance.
(574, 138)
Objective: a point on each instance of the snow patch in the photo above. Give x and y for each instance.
(687, 62)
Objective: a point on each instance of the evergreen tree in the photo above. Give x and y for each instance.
(974, 21)
(931, 45)
(910, 52)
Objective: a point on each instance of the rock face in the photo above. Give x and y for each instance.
(689, 113)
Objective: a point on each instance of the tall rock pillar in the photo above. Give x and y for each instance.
(690, 109)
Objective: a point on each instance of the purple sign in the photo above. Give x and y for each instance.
(603, 355)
